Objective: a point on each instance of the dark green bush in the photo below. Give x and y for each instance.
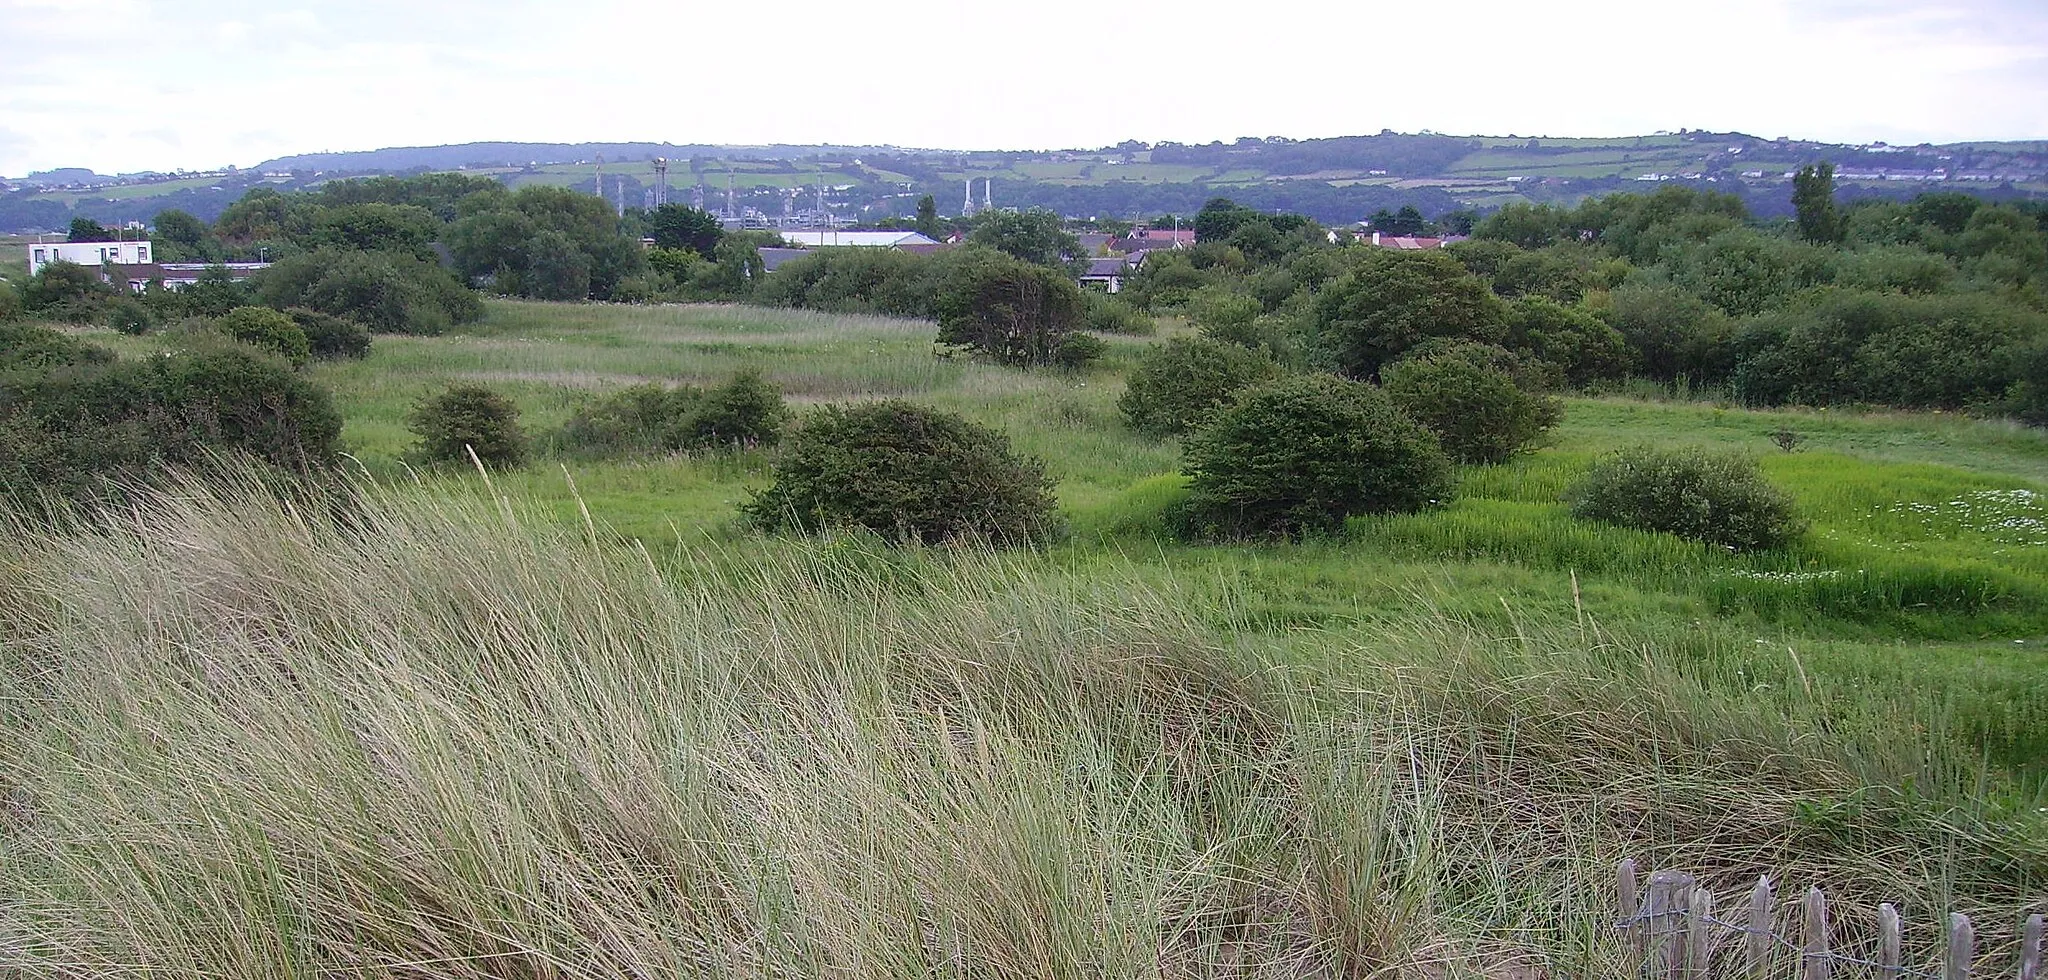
(332, 337)
(1110, 314)
(260, 326)
(75, 422)
(66, 291)
(637, 419)
(1300, 455)
(469, 418)
(28, 348)
(10, 301)
(906, 472)
(127, 315)
(1673, 333)
(1717, 498)
(1006, 309)
(1395, 300)
(650, 418)
(1078, 350)
(1579, 347)
(745, 411)
(1478, 413)
(1850, 346)
(385, 291)
(1178, 383)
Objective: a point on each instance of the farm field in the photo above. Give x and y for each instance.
(579, 718)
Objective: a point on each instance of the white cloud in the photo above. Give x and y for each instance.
(241, 81)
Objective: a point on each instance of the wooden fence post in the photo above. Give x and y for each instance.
(1887, 942)
(1699, 936)
(1758, 940)
(1627, 905)
(1669, 893)
(2030, 949)
(1816, 963)
(1962, 943)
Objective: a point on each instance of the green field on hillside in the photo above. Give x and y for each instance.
(580, 719)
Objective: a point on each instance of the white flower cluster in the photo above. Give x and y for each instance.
(2016, 516)
(1790, 578)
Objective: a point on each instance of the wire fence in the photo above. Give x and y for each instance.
(1674, 934)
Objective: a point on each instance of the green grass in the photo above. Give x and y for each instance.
(578, 718)
(444, 738)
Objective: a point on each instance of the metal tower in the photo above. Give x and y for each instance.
(967, 206)
(988, 190)
(660, 181)
(697, 196)
(600, 176)
(730, 211)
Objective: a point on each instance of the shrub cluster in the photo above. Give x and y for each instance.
(331, 337)
(908, 473)
(1179, 383)
(1300, 455)
(1479, 413)
(76, 422)
(388, 292)
(1717, 498)
(468, 418)
(262, 327)
(650, 418)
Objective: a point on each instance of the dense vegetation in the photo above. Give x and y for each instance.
(1290, 692)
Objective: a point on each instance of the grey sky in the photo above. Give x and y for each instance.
(122, 85)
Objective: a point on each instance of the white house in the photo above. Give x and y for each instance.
(93, 254)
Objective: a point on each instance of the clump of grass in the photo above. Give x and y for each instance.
(426, 735)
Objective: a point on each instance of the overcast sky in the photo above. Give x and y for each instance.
(124, 85)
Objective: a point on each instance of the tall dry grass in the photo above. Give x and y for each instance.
(409, 735)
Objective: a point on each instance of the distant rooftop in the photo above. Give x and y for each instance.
(815, 237)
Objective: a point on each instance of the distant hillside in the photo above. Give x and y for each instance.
(399, 159)
(1338, 180)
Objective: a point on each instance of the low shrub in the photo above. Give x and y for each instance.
(332, 337)
(745, 411)
(1111, 314)
(643, 418)
(1717, 498)
(1300, 455)
(651, 418)
(1180, 382)
(75, 422)
(1078, 350)
(1478, 413)
(32, 349)
(465, 418)
(128, 315)
(260, 326)
(906, 472)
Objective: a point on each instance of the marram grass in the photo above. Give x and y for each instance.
(413, 735)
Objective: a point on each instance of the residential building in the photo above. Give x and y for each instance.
(173, 275)
(1109, 272)
(88, 254)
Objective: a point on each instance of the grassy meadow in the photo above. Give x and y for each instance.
(578, 720)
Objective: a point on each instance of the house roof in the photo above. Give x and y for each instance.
(775, 258)
(1185, 236)
(815, 237)
(1406, 242)
(143, 272)
(1103, 268)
